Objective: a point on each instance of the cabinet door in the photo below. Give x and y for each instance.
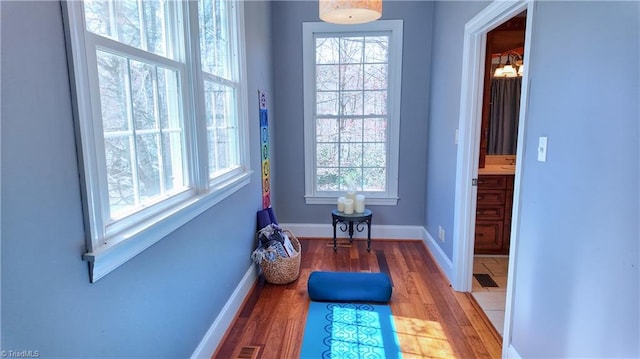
(489, 213)
(492, 182)
(488, 237)
(491, 196)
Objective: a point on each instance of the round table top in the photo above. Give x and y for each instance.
(366, 213)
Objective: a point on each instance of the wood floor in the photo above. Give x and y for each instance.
(432, 320)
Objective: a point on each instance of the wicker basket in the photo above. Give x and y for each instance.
(283, 270)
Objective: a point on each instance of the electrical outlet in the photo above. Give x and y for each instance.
(441, 233)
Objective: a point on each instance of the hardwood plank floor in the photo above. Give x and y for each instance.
(432, 320)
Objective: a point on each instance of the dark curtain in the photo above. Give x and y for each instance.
(505, 110)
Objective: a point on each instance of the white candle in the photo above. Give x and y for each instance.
(341, 204)
(348, 206)
(360, 203)
(351, 195)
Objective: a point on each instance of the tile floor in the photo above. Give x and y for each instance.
(491, 299)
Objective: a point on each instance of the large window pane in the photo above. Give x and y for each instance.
(327, 77)
(327, 155)
(113, 77)
(328, 179)
(375, 130)
(376, 49)
(148, 161)
(374, 179)
(351, 130)
(127, 19)
(142, 24)
(351, 50)
(375, 103)
(168, 100)
(97, 16)
(351, 77)
(375, 154)
(155, 26)
(120, 180)
(173, 165)
(327, 130)
(144, 95)
(375, 77)
(222, 128)
(351, 179)
(351, 103)
(327, 50)
(351, 155)
(215, 45)
(327, 103)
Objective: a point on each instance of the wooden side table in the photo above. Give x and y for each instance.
(347, 222)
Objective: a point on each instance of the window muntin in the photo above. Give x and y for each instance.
(161, 138)
(352, 90)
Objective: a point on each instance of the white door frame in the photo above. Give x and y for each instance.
(470, 120)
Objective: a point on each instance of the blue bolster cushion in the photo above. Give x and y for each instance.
(349, 287)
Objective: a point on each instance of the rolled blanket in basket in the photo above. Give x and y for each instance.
(349, 287)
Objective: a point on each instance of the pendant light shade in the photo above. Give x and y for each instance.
(509, 71)
(350, 11)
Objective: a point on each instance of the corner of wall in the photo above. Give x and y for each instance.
(445, 264)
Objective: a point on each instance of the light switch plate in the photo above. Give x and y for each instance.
(542, 149)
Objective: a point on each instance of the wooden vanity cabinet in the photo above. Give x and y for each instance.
(493, 214)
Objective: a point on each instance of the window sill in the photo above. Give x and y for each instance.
(127, 245)
(386, 201)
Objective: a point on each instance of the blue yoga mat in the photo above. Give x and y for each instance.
(349, 330)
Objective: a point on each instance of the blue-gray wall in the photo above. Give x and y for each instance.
(577, 284)
(288, 17)
(160, 303)
(446, 75)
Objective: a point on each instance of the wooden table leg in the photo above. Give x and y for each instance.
(335, 244)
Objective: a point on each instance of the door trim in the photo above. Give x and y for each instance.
(470, 116)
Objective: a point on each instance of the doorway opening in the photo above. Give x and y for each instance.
(503, 70)
(472, 86)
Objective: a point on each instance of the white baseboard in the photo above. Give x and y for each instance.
(512, 353)
(438, 254)
(324, 230)
(212, 338)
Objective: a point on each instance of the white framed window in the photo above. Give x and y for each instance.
(352, 84)
(160, 106)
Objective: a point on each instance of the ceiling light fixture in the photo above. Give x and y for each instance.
(350, 11)
(498, 72)
(510, 69)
